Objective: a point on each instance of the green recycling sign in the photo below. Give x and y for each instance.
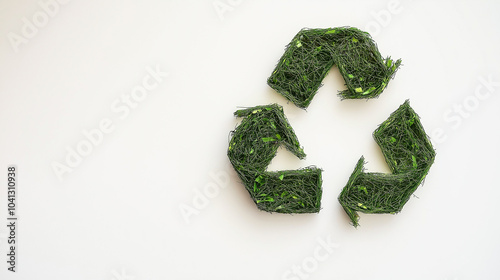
(298, 75)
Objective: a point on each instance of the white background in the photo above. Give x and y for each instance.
(117, 214)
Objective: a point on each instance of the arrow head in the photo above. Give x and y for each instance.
(262, 131)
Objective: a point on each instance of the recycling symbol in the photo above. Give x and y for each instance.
(298, 75)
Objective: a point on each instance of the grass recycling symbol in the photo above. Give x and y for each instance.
(297, 76)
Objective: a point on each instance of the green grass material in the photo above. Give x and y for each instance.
(313, 52)
(409, 154)
(253, 145)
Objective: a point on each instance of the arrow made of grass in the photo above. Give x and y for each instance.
(409, 154)
(254, 143)
(313, 52)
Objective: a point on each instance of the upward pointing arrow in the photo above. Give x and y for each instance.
(253, 145)
(409, 154)
(313, 52)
